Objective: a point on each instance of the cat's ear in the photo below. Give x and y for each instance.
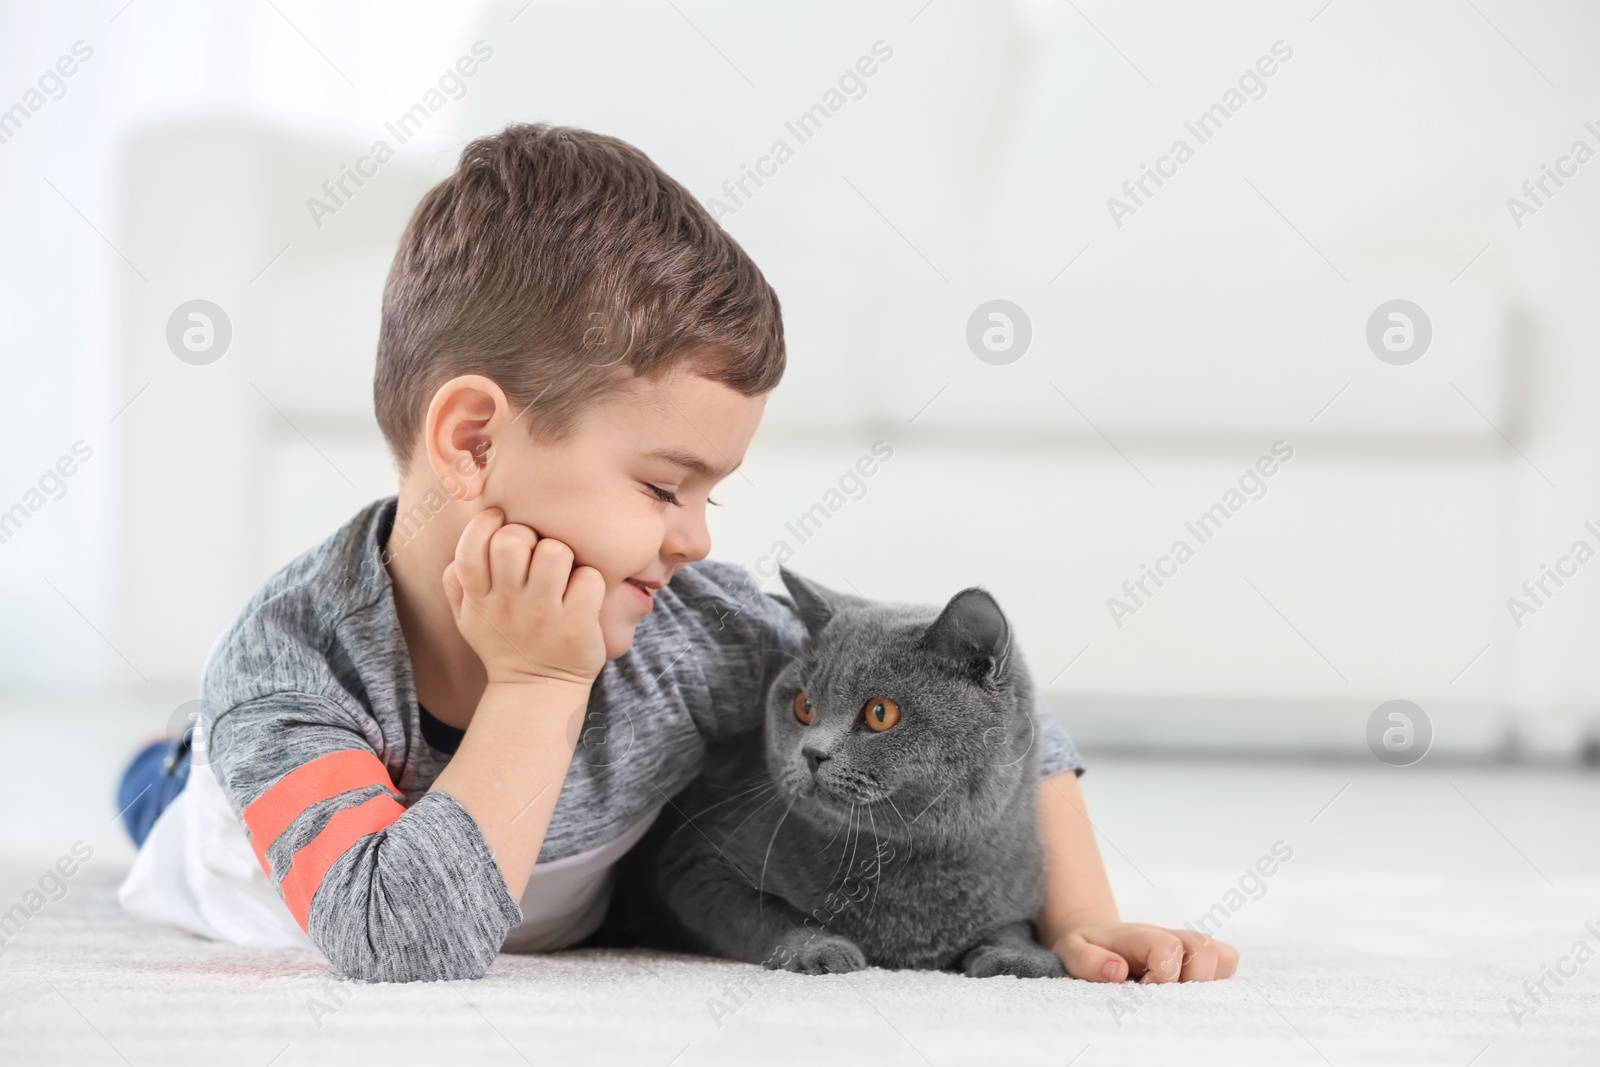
(816, 604)
(972, 632)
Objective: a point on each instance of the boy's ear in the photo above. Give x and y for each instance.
(816, 603)
(972, 633)
(463, 419)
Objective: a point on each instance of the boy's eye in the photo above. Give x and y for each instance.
(881, 713)
(803, 709)
(666, 496)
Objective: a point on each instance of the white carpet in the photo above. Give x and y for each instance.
(1396, 934)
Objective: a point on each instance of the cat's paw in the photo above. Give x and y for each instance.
(1018, 960)
(819, 954)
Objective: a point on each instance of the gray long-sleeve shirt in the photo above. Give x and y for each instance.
(315, 736)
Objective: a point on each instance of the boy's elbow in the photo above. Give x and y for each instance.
(408, 967)
(391, 959)
(393, 930)
(414, 902)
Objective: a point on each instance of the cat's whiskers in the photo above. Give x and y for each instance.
(688, 822)
(763, 783)
(836, 827)
(849, 831)
(758, 808)
(851, 866)
(877, 873)
(761, 896)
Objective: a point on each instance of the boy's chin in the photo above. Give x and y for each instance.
(618, 637)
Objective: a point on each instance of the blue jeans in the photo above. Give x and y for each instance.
(152, 781)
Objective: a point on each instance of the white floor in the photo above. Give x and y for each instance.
(1416, 904)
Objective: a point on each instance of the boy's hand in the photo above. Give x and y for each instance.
(524, 608)
(1113, 952)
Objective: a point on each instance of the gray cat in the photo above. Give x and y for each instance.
(884, 816)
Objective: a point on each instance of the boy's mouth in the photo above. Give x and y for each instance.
(645, 590)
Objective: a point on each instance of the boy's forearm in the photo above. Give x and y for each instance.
(508, 770)
(1077, 892)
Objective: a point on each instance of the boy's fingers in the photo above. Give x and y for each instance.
(510, 554)
(552, 567)
(586, 589)
(1227, 959)
(1155, 952)
(1200, 956)
(1138, 945)
(1091, 962)
(1164, 961)
(472, 551)
(452, 588)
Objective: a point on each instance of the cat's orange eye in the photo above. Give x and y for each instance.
(803, 709)
(881, 713)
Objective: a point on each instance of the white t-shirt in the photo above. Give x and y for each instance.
(196, 871)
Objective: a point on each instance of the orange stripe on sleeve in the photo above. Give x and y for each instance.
(311, 863)
(311, 783)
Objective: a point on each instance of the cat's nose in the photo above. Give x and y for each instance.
(813, 757)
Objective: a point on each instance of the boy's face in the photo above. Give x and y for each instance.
(604, 491)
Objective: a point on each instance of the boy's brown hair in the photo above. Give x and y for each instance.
(555, 261)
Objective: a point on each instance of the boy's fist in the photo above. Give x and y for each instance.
(1117, 951)
(524, 608)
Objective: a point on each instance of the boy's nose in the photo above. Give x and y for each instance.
(814, 758)
(691, 539)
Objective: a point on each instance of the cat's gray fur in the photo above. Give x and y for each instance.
(828, 847)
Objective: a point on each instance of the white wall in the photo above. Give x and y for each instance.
(1222, 316)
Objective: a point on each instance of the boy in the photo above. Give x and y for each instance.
(524, 654)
